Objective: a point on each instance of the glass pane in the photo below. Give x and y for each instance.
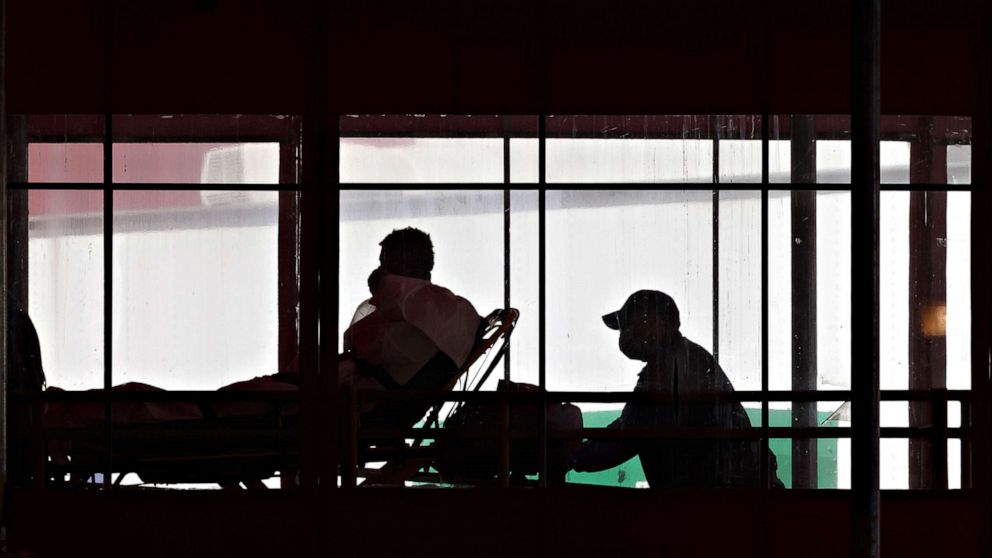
(833, 162)
(54, 148)
(466, 228)
(914, 149)
(959, 290)
(933, 141)
(779, 161)
(206, 148)
(424, 160)
(195, 287)
(197, 163)
(601, 247)
(954, 464)
(64, 292)
(739, 248)
(739, 148)
(823, 270)
(523, 160)
(894, 463)
(629, 160)
(833, 459)
(524, 286)
(65, 162)
(925, 290)
(665, 149)
(959, 164)
(740, 161)
(437, 148)
(809, 148)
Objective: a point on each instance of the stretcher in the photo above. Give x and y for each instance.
(231, 438)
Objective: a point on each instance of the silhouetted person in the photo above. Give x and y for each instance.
(685, 375)
(25, 376)
(412, 334)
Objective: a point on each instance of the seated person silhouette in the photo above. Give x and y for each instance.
(412, 334)
(685, 374)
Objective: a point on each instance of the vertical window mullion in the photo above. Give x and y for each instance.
(108, 288)
(715, 131)
(764, 301)
(506, 241)
(542, 241)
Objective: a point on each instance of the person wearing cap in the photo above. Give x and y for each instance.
(688, 382)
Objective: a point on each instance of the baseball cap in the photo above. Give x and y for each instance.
(641, 304)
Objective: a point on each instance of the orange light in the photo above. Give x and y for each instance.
(934, 323)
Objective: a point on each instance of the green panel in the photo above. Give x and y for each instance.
(630, 473)
(826, 458)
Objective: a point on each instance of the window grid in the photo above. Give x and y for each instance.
(938, 397)
(764, 396)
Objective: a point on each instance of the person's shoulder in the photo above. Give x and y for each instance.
(444, 291)
(699, 358)
(695, 350)
(422, 291)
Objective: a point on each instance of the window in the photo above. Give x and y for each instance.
(663, 202)
(200, 237)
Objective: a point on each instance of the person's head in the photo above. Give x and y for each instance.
(408, 252)
(647, 322)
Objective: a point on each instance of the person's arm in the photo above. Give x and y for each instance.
(599, 455)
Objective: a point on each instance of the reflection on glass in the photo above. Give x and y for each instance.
(925, 289)
(197, 163)
(959, 164)
(65, 162)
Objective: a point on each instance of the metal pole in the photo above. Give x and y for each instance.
(313, 460)
(3, 249)
(108, 241)
(715, 222)
(506, 241)
(927, 295)
(804, 373)
(866, 31)
(542, 238)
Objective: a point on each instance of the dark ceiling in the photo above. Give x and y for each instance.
(483, 56)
